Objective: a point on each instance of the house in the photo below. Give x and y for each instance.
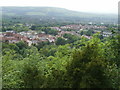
(107, 34)
(51, 39)
(10, 39)
(56, 28)
(88, 37)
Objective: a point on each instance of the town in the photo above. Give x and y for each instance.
(33, 37)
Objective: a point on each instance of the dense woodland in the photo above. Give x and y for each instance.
(81, 64)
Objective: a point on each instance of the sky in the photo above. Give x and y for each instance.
(93, 6)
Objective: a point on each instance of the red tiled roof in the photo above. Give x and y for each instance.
(9, 38)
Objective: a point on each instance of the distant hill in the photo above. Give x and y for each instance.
(57, 14)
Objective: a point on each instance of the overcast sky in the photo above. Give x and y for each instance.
(95, 6)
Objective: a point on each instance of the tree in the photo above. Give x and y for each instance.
(31, 75)
(60, 41)
(42, 44)
(10, 71)
(21, 45)
(81, 33)
(112, 53)
(87, 67)
(71, 38)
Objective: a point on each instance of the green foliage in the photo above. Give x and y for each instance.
(83, 64)
(48, 50)
(87, 67)
(31, 76)
(42, 44)
(47, 30)
(52, 32)
(21, 45)
(10, 71)
(60, 41)
(87, 32)
(71, 38)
